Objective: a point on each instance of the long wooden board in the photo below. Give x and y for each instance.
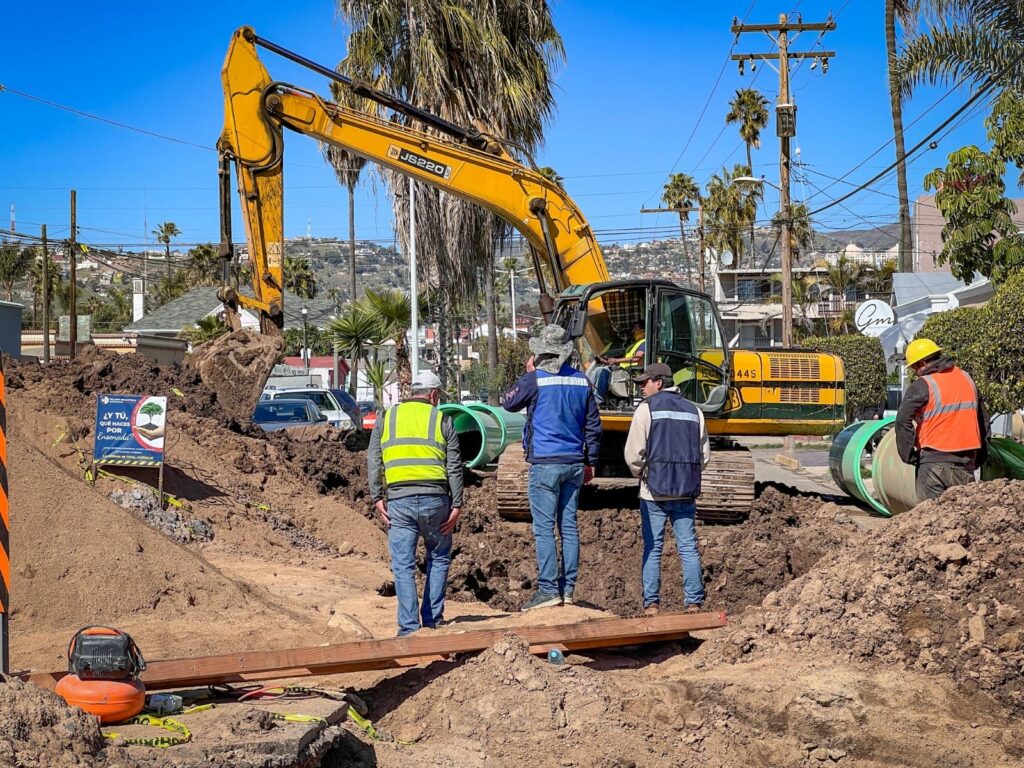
(363, 655)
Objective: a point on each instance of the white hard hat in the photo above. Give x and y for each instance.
(426, 380)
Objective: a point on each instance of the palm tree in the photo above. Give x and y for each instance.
(163, 234)
(878, 279)
(36, 279)
(377, 375)
(682, 194)
(729, 209)
(206, 329)
(204, 265)
(347, 168)
(552, 175)
(965, 42)
(15, 264)
(488, 65)
(749, 108)
(903, 10)
(354, 331)
(392, 313)
(299, 277)
(842, 275)
(800, 231)
(806, 292)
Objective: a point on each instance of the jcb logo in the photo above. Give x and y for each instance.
(440, 170)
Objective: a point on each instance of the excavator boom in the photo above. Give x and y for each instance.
(257, 108)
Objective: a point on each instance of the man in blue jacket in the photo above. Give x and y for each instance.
(561, 438)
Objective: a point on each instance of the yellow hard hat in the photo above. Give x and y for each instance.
(920, 349)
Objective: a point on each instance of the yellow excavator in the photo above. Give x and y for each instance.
(741, 392)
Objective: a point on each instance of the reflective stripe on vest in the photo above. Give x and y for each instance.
(633, 351)
(412, 443)
(949, 420)
(673, 452)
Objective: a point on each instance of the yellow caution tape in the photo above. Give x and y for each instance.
(198, 708)
(160, 742)
(291, 717)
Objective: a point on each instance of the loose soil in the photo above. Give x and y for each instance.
(843, 648)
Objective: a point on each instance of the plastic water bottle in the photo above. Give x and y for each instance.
(555, 657)
(164, 703)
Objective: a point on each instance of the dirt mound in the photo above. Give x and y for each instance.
(494, 559)
(941, 589)
(235, 367)
(38, 730)
(81, 559)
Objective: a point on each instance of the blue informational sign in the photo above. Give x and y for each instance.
(130, 430)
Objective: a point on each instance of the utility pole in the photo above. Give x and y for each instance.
(682, 237)
(785, 112)
(44, 270)
(72, 288)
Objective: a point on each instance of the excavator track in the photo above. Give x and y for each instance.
(727, 486)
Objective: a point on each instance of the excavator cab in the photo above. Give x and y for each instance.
(677, 326)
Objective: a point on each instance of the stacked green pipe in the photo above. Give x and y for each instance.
(484, 431)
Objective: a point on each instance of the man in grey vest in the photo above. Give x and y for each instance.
(667, 448)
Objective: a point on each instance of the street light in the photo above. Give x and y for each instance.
(787, 257)
(305, 349)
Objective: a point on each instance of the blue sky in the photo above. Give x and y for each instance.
(637, 77)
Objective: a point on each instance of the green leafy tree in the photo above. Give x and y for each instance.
(206, 329)
(979, 235)
(151, 410)
(111, 313)
(299, 277)
(164, 233)
(319, 342)
(15, 265)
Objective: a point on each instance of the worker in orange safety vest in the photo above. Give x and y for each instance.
(941, 427)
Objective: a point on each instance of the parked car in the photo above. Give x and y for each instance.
(348, 405)
(321, 398)
(281, 413)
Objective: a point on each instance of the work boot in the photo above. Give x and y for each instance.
(652, 610)
(542, 600)
(693, 608)
(568, 599)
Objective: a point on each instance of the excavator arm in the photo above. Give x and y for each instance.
(257, 109)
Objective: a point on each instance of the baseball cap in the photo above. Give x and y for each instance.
(654, 370)
(426, 380)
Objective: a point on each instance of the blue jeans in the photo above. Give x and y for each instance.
(412, 517)
(554, 496)
(653, 517)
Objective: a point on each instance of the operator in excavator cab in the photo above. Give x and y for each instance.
(600, 372)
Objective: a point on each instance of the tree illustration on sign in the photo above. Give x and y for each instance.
(150, 410)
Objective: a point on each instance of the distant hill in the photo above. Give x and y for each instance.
(880, 238)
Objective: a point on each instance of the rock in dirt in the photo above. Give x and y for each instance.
(38, 730)
(236, 367)
(941, 589)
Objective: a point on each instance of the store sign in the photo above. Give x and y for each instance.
(130, 430)
(873, 317)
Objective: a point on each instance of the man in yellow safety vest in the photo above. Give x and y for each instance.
(416, 449)
(634, 354)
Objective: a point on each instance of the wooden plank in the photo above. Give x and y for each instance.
(363, 655)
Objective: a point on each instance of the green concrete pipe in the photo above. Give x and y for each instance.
(480, 434)
(846, 456)
(512, 424)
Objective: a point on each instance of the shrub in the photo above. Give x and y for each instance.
(864, 362)
(988, 343)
